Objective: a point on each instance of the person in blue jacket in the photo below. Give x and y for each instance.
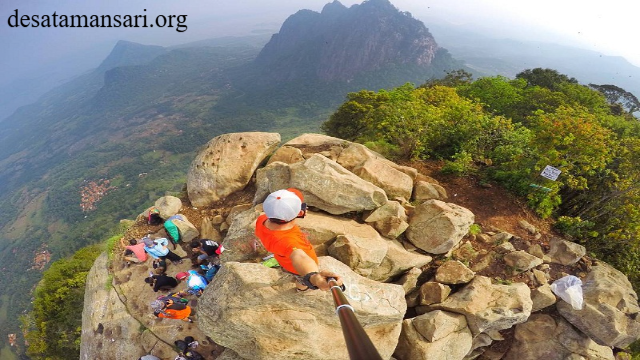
(158, 249)
(195, 282)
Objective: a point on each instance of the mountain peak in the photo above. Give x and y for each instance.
(126, 53)
(340, 43)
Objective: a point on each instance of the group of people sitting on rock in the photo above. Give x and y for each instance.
(205, 259)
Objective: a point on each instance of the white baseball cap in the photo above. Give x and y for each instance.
(283, 205)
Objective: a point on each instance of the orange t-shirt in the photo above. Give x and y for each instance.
(282, 242)
(176, 314)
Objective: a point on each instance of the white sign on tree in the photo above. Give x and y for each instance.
(550, 173)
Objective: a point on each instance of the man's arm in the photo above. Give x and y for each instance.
(304, 265)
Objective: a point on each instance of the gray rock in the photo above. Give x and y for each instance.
(226, 164)
(394, 182)
(423, 191)
(287, 155)
(359, 253)
(542, 297)
(610, 312)
(525, 225)
(450, 337)
(409, 280)
(330, 187)
(454, 272)
(565, 252)
(488, 306)
(433, 293)
(397, 261)
(436, 227)
(543, 337)
(168, 206)
(521, 261)
(257, 305)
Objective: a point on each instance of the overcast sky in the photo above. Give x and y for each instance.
(609, 26)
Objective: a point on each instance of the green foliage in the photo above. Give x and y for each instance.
(576, 227)
(475, 229)
(507, 131)
(547, 78)
(54, 325)
(461, 164)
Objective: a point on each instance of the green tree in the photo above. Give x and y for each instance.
(547, 78)
(56, 320)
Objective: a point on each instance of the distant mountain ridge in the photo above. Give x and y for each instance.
(339, 43)
(489, 56)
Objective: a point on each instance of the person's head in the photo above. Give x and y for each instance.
(149, 280)
(133, 242)
(283, 206)
(157, 305)
(148, 242)
(189, 339)
(195, 244)
(182, 275)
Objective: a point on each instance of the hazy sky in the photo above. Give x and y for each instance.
(609, 26)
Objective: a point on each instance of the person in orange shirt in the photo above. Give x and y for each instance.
(280, 235)
(172, 307)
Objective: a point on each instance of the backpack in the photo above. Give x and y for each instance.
(172, 231)
(173, 301)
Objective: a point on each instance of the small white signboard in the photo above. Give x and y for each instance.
(550, 172)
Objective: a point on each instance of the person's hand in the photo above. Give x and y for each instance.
(321, 279)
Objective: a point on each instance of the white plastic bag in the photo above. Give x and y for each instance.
(569, 289)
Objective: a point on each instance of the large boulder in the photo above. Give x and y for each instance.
(168, 206)
(226, 164)
(423, 191)
(545, 337)
(610, 313)
(361, 254)
(324, 183)
(565, 252)
(490, 306)
(390, 219)
(454, 272)
(188, 231)
(310, 144)
(256, 312)
(273, 177)
(322, 229)
(355, 155)
(436, 227)
(332, 188)
(397, 261)
(394, 182)
(240, 243)
(437, 335)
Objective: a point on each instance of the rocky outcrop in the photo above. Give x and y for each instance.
(259, 306)
(226, 164)
(395, 183)
(565, 252)
(168, 206)
(545, 337)
(240, 243)
(610, 313)
(436, 227)
(361, 254)
(454, 272)
(437, 335)
(396, 261)
(330, 187)
(490, 306)
(389, 219)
